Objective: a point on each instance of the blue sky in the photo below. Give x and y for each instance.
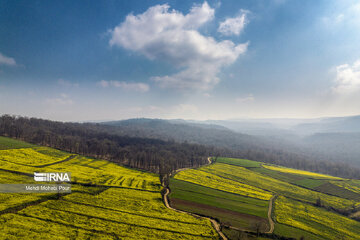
(102, 60)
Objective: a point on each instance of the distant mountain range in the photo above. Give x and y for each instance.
(333, 125)
(336, 138)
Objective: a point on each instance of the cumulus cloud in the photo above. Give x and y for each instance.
(168, 35)
(62, 100)
(347, 78)
(4, 60)
(138, 87)
(248, 98)
(233, 26)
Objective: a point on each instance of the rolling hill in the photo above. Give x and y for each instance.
(107, 201)
(258, 199)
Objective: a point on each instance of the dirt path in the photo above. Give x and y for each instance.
(215, 224)
(53, 163)
(271, 222)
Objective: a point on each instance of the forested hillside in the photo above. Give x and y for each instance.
(88, 139)
(160, 146)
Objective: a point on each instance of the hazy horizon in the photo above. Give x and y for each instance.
(203, 60)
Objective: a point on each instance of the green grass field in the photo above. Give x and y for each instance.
(121, 203)
(196, 193)
(233, 209)
(227, 183)
(9, 143)
(243, 163)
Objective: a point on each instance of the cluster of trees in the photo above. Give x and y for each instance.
(160, 146)
(143, 153)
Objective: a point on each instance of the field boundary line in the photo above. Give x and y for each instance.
(131, 213)
(53, 163)
(44, 165)
(214, 223)
(17, 172)
(22, 206)
(82, 184)
(112, 186)
(219, 191)
(110, 220)
(237, 182)
(237, 194)
(65, 224)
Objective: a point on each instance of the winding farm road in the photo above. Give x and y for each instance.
(215, 224)
(271, 222)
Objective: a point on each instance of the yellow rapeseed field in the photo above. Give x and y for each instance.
(299, 172)
(32, 157)
(216, 182)
(319, 221)
(122, 203)
(274, 185)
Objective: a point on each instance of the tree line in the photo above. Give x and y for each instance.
(151, 154)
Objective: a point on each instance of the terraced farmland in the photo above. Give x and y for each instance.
(107, 201)
(237, 192)
(113, 202)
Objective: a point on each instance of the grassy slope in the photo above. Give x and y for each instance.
(9, 143)
(196, 193)
(126, 203)
(242, 163)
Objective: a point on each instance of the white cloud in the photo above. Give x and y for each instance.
(168, 35)
(62, 100)
(103, 83)
(138, 87)
(65, 83)
(4, 60)
(347, 78)
(233, 26)
(344, 13)
(248, 98)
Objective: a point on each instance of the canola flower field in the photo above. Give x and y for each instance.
(33, 157)
(107, 201)
(301, 207)
(300, 172)
(275, 186)
(228, 185)
(318, 221)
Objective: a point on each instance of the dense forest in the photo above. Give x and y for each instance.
(143, 153)
(158, 152)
